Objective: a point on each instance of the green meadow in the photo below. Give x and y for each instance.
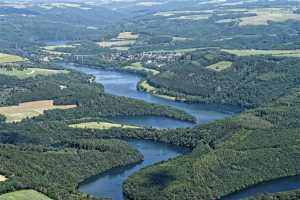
(24, 195)
(220, 66)
(254, 52)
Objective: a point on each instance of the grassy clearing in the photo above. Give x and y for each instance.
(150, 4)
(60, 5)
(29, 110)
(30, 72)
(7, 58)
(192, 17)
(24, 195)
(101, 125)
(264, 15)
(2, 178)
(253, 52)
(220, 66)
(180, 39)
(54, 47)
(122, 42)
(145, 86)
(128, 36)
(186, 15)
(139, 67)
(120, 48)
(116, 43)
(177, 50)
(183, 12)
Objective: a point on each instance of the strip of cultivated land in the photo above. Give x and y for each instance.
(8, 58)
(101, 125)
(254, 52)
(30, 109)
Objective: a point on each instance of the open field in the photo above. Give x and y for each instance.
(182, 12)
(24, 195)
(178, 50)
(60, 5)
(139, 67)
(30, 72)
(29, 110)
(263, 15)
(54, 47)
(149, 4)
(2, 178)
(128, 36)
(101, 125)
(180, 39)
(7, 58)
(120, 48)
(116, 43)
(220, 66)
(192, 17)
(122, 42)
(145, 86)
(253, 52)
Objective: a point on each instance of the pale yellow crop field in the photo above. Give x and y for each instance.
(144, 85)
(220, 66)
(128, 36)
(2, 178)
(30, 109)
(116, 43)
(8, 58)
(101, 125)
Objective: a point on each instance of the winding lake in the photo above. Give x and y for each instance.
(125, 84)
(109, 184)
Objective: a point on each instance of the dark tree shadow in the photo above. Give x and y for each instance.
(161, 178)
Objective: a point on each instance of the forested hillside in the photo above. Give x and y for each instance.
(232, 154)
(246, 81)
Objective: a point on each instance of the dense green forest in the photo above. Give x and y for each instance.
(56, 171)
(230, 155)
